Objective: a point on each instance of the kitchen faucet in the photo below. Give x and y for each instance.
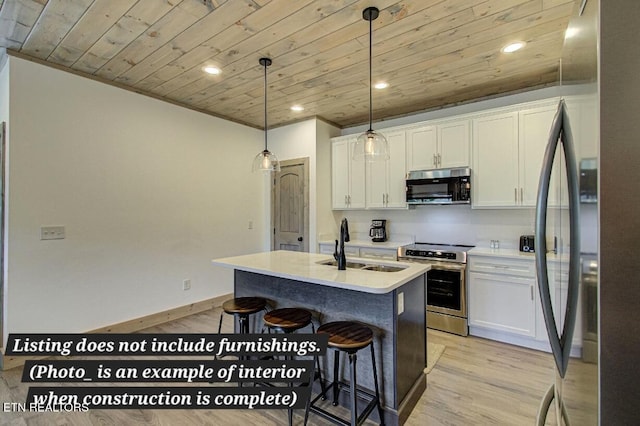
(339, 255)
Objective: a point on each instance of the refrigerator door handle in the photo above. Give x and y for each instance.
(560, 344)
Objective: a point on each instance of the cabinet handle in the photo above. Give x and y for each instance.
(521, 195)
(515, 194)
(435, 160)
(349, 199)
(439, 160)
(383, 198)
(531, 288)
(386, 196)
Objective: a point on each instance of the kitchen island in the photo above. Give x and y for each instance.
(389, 297)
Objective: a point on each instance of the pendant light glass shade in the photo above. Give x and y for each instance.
(371, 145)
(265, 161)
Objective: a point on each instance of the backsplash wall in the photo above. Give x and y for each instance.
(448, 224)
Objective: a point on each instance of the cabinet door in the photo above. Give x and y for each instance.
(421, 148)
(378, 253)
(502, 303)
(396, 185)
(534, 128)
(340, 160)
(376, 183)
(453, 144)
(385, 182)
(356, 179)
(495, 160)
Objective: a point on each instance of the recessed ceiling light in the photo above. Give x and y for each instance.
(297, 108)
(211, 70)
(381, 85)
(512, 47)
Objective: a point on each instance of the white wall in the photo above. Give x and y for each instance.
(309, 138)
(148, 192)
(326, 222)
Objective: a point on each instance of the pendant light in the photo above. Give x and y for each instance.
(370, 145)
(265, 160)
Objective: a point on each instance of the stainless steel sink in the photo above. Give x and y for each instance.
(383, 268)
(366, 266)
(352, 265)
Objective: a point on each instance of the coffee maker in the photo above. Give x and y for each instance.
(378, 231)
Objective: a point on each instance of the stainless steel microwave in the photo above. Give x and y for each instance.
(441, 186)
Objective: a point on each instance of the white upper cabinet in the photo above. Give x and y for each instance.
(422, 147)
(495, 160)
(347, 175)
(505, 148)
(534, 128)
(385, 183)
(453, 144)
(583, 115)
(442, 145)
(508, 150)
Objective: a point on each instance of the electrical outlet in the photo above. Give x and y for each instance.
(52, 233)
(400, 303)
(186, 285)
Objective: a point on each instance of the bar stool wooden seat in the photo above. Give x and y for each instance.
(349, 337)
(242, 308)
(288, 320)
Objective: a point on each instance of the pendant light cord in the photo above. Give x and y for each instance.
(370, 78)
(265, 105)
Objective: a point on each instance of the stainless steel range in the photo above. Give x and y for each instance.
(446, 283)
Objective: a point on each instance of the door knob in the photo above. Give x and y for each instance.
(299, 238)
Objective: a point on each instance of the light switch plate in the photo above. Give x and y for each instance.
(52, 233)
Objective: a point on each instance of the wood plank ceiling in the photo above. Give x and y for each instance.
(431, 52)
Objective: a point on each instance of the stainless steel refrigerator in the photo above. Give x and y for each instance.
(567, 230)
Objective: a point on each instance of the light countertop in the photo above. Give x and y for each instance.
(368, 243)
(514, 253)
(307, 267)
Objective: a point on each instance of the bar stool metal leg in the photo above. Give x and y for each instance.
(375, 382)
(353, 358)
(318, 370)
(336, 373)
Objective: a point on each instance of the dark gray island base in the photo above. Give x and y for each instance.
(400, 337)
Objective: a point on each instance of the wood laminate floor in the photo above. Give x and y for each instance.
(475, 382)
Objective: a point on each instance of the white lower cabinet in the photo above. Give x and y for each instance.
(379, 253)
(363, 251)
(329, 248)
(503, 300)
(558, 289)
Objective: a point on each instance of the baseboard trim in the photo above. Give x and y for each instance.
(131, 326)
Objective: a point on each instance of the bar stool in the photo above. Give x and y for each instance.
(242, 308)
(349, 337)
(288, 320)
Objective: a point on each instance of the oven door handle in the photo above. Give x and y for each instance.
(443, 281)
(435, 264)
